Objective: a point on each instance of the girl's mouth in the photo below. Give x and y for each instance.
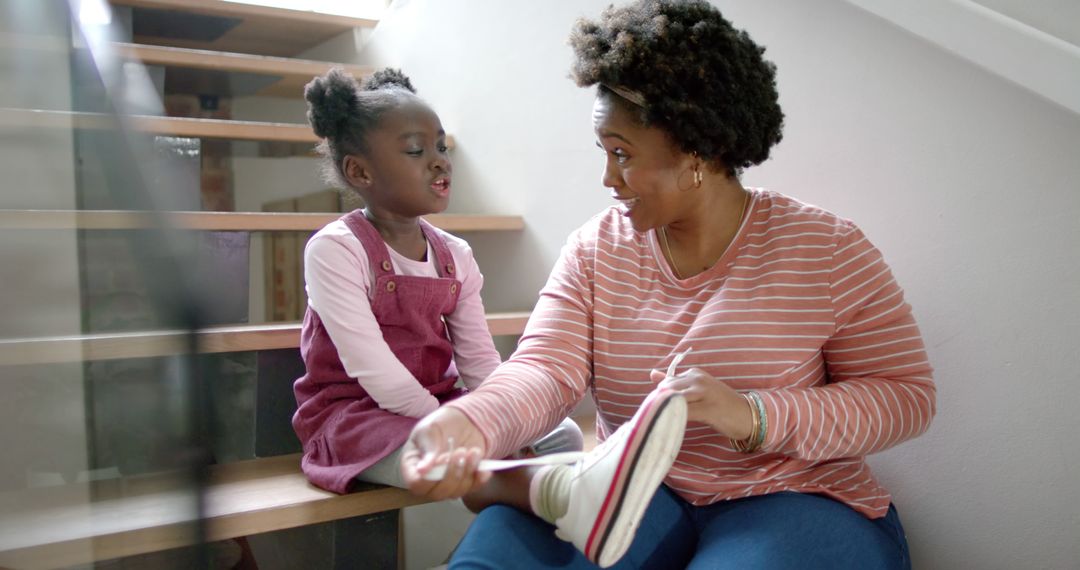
(441, 187)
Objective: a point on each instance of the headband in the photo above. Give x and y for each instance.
(634, 97)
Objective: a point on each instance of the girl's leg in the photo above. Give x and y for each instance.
(386, 472)
(512, 487)
(509, 487)
(505, 537)
(797, 531)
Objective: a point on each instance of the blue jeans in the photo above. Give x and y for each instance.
(783, 530)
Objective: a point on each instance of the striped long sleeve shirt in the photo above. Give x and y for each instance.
(801, 308)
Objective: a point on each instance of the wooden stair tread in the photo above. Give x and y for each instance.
(251, 11)
(143, 344)
(237, 62)
(171, 126)
(251, 28)
(225, 221)
(61, 526)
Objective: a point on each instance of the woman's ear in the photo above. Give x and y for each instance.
(356, 171)
(690, 174)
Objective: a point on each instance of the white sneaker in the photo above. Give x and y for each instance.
(612, 487)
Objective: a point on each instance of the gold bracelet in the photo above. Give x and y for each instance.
(750, 444)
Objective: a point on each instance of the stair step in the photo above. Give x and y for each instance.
(246, 28)
(63, 526)
(235, 62)
(170, 126)
(251, 12)
(237, 338)
(225, 221)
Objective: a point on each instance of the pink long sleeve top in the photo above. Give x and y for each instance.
(339, 279)
(801, 308)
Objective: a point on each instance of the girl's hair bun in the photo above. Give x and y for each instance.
(388, 78)
(343, 114)
(331, 100)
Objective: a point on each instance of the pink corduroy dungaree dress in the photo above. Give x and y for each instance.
(342, 428)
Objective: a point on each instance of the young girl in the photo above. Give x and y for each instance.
(394, 314)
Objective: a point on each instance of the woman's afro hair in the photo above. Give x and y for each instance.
(342, 112)
(703, 81)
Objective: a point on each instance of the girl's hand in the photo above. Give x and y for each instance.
(446, 436)
(710, 401)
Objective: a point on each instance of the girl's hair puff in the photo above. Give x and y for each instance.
(342, 112)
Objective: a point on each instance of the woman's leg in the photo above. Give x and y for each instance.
(797, 531)
(505, 537)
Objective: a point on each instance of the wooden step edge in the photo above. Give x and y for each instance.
(235, 62)
(225, 221)
(225, 129)
(171, 126)
(245, 11)
(137, 515)
(52, 527)
(145, 344)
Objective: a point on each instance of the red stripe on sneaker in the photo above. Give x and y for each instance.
(613, 500)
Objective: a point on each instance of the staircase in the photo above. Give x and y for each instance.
(211, 50)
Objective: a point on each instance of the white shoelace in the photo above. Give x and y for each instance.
(439, 471)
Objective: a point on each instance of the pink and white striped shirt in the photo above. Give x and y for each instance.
(801, 308)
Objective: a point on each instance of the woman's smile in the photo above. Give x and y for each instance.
(627, 204)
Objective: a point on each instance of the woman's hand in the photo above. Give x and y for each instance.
(710, 401)
(446, 436)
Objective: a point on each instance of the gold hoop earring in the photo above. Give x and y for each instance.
(697, 178)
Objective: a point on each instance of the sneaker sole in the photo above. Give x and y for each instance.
(644, 464)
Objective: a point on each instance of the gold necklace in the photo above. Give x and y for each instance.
(667, 252)
(666, 249)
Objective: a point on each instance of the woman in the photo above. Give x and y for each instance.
(804, 357)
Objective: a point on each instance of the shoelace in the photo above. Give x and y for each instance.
(583, 461)
(608, 444)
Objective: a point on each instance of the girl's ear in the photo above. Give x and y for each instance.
(356, 171)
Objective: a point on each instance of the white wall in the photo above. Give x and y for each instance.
(967, 182)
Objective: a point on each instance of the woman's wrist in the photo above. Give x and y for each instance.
(737, 420)
(752, 436)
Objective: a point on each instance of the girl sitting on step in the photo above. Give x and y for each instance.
(394, 317)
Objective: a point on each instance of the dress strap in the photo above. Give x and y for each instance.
(444, 260)
(377, 252)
